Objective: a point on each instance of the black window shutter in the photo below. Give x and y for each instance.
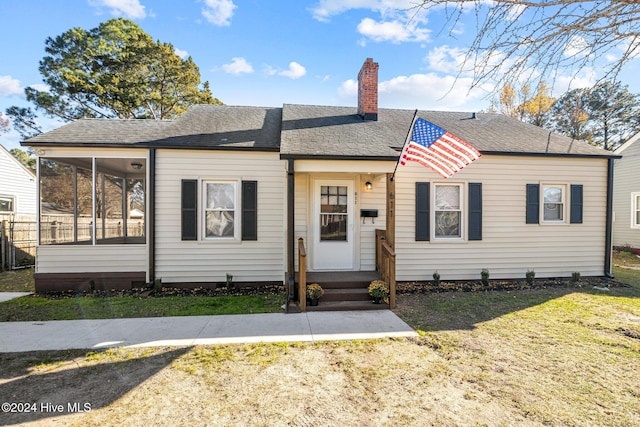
(189, 209)
(576, 204)
(249, 210)
(423, 229)
(533, 203)
(475, 211)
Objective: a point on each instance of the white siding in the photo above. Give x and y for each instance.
(302, 211)
(210, 261)
(364, 233)
(89, 259)
(18, 182)
(626, 181)
(374, 199)
(509, 246)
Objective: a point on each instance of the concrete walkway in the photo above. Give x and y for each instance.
(200, 330)
(6, 296)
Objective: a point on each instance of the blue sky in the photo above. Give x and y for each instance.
(266, 53)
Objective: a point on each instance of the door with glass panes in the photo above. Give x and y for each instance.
(333, 227)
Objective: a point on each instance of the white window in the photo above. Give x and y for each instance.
(7, 204)
(220, 209)
(448, 211)
(553, 206)
(635, 210)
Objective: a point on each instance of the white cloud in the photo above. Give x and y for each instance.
(515, 12)
(348, 89)
(445, 59)
(181, 53)
(269, 70)
(10, 86)
(424, 91)
(395, 31)
(238, 66)
(610, 57)
(129, 8)
(218, 12)
(295, 71)
(577, 46)
(585, 78)
(325, 9)
(430, 91)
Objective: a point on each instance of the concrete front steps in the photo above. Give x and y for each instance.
(344, 290)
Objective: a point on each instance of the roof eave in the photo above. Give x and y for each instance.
(287, 156)
(534, 154)
(144, 145)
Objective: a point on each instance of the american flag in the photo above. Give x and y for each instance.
(434, 147)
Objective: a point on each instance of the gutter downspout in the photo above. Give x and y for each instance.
(609, 221)
(291, 244)
(151, 214)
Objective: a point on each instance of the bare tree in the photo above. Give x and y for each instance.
(531, 40)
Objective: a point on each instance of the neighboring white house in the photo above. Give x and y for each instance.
(626, 195)
(230, 190)
(17, 187)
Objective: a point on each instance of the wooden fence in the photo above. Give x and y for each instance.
(17, 242)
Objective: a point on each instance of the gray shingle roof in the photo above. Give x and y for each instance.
(102, 132)
(311, 131)
(221, 126)
(202, 126)
(317, 131)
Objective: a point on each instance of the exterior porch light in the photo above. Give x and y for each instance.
(136, 165)
(368, 186)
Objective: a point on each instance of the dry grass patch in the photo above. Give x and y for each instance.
(537, 357)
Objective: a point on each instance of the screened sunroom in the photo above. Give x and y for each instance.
(92, 200)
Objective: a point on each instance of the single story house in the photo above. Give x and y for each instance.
(17, 188)
(231, 190)
(626, 196)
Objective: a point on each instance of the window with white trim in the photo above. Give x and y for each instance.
(447, 221)
(553, 202)
(635, 210)
(220, 201)
(7, 204)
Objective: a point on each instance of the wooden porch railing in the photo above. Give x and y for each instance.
(386, 264)
(302, 276)
(381, 235)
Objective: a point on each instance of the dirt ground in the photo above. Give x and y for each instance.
(389, 382)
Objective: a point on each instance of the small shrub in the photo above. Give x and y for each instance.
(379, 289)
(436, 278)
(531, 274)
(575, 277)
(624, 248)
(157, 285)
(484, 276)
(314, 291)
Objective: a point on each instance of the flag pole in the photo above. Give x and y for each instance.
(415, 114)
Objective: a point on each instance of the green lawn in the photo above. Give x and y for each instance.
(450, 310)
(17, 281)
(39, 309)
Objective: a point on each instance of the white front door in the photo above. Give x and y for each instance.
(333, 235)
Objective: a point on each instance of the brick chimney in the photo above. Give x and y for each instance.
(368, 90)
